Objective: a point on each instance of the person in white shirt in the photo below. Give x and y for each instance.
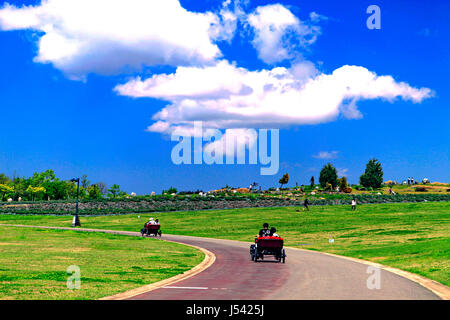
(273, 232)
(353, 204)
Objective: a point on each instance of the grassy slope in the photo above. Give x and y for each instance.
(33, 263)
(414, 237)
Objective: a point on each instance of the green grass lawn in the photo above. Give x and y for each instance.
(34, 262)
(410, 236)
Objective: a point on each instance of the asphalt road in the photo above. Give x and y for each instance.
(305, 275)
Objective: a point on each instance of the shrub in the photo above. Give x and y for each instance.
(343, 183)
(421, 189)
(347, 190)
(328, 186)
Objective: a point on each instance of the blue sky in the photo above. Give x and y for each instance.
(74, 120)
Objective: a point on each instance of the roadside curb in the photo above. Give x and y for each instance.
(208, 261)
(439, 289)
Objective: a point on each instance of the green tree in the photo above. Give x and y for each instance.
(284, 179)
(38, 179)
(343, 183)
(6, 191)
(56, 189)
(4, 179)
(328, 174)
(35, 191)
(94, 192)
(373, 176)
(72, 190)
(114, 191)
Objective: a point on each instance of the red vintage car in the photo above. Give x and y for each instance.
(151, 229)
(268, 246)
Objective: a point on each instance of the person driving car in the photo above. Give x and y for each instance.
(264, 232)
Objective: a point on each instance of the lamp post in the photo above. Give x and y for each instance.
(76, 220)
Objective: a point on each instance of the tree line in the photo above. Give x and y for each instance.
(46, 186)
(328, 177)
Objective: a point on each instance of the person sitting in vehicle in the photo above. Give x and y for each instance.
(157, 221)
(264, 232)
(273, 232)
(151, 221)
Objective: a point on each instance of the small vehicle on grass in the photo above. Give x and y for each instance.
(151, 230)
(268, 245)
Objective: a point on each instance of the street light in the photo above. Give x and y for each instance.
(76, 220)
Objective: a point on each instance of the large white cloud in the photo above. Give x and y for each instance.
(113, 36)
(279, 34)
(226, 96)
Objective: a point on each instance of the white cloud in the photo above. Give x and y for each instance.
(326, 155)
(233, 137)
(350, 110)
(225, 23)
(315, 17)
(226, 96)
(342, 171)
(278, 34)
(115, 36)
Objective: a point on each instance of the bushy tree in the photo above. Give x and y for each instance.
(72, 191)
(328, 174)
(343, 183)
(284, 179)
(114, 191)
(94, 192)
(56, 189)
(373, 176)
(172, 190)
(6, 191)
(4, 179)
(35, 192)
(45, 185)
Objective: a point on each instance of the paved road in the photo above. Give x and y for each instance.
(305, 275)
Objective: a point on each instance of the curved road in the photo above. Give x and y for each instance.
(305, 275)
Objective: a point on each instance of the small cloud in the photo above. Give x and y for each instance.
(350, 110)
(288, 165)
(326, 155)
(279, 35)
(315, 17)
(342, 171)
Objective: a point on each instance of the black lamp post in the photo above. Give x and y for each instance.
(76, 220)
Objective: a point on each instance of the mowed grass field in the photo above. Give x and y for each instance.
(410, 236)
(34, 262)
